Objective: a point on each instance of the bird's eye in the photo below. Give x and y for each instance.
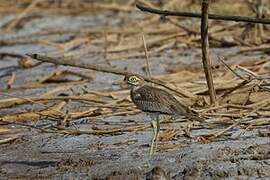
(133, 79)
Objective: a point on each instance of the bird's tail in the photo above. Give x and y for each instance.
(184, 110)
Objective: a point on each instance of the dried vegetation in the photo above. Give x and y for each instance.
(242, 86)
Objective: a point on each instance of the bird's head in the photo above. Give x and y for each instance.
(134, 80)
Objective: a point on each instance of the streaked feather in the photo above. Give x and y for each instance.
(148, 98)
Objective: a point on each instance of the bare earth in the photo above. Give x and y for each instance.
(238, 154)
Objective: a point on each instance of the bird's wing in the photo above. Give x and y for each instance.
(149, 98)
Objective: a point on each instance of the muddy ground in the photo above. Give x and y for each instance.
(123, 155)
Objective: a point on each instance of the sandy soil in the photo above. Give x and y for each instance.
(38, 155)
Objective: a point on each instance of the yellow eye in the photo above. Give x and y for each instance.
(133, 78)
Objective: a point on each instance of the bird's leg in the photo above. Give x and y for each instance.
(187, 129)
(156, 127)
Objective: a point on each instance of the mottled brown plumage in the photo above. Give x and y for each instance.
(151, 99)
(156, 101)
(157, 173)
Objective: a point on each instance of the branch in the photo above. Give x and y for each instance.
(205, 52)
(76, 63)
(227, 66)
(198, 15)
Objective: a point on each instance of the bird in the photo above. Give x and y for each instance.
(157, 173)
(155, 102)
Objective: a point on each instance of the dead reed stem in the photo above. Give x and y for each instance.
(205, 52)
(22, 15)
(75, 63)
(146, 56)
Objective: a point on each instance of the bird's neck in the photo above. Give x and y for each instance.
(134, 88)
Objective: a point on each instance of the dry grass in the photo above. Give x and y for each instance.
(242, 93)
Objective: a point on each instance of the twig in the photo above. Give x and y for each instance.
(80, 74)
(205, 52)
(30, 100)
(151, 43)
(146, 56)
(29, 126)
(34, 115)
(238, 86)
(102, 131)
(7, 140)
(23, 14)
(233, 106)
(5, 103)
(197, 15)
(191, 31)
(7, 54)
(75, 63)
(238, 122)
(246, 80)
(227, 66)
(59, 73)
(105, 34)
(113, 7)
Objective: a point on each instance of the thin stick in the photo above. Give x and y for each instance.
(65, 130)
(23, 14)
(29, 126)
(197, 15)
(238, 122)
(76, 63)
(146, 56)
(105, 33)
(227, 66)
(205, 52)
(30, 100)
(246, 81)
